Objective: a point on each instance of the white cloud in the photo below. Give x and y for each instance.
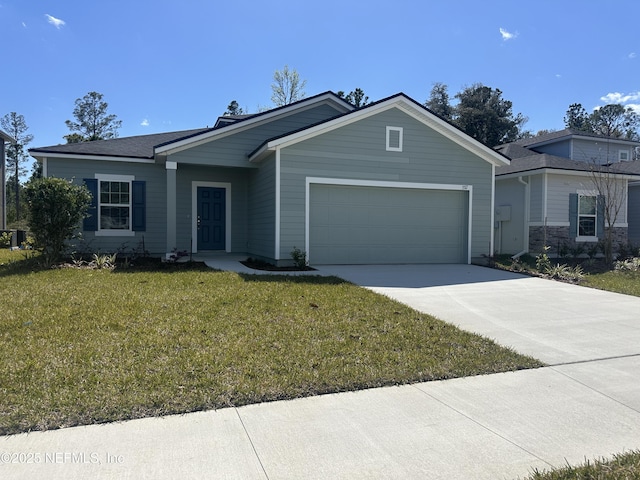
(507, 35)
(145, 123)
(617, 97)
(634, 106)
(56, 22)
(632, 55)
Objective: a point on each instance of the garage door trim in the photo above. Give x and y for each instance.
(385, 184)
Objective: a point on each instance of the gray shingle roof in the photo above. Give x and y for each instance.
(141, 146)
(567, 132)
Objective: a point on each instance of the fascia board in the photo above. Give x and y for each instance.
(41, 155)
(556, 171)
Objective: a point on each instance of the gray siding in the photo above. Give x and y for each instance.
(237, 177)
(560, 149)
(597, 152)
(156, 185)
(634, 214)
(510, 237)
(357, 151)
(233, 150)
(262, 209)
(536, 190)
(560, 186)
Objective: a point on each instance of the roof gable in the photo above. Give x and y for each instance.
(399, 101)
(224, 128)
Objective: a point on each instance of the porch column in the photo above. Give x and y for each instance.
(172, 168)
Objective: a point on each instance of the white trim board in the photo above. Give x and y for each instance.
(384, 184)
(194, 212)
(104, 158)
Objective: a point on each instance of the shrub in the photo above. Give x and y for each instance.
(5, 239)
(629, 265)
(299, 258)
(56, 207)
(543, 264)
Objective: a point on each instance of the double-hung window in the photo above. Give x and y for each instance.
(118, 205)
(115, 205)
(586, 216)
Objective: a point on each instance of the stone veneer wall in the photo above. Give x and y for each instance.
(557, 237)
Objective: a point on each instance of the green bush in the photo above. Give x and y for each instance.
(56, 208)
(5, 239)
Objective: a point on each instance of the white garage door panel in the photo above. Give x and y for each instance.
(353, 225)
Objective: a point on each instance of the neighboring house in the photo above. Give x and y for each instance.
(4, 138)
(387, 183)
(549, 194)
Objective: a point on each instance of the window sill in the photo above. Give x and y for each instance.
(587, 239)
(115, 233)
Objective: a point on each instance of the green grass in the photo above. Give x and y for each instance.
(621, 467)
(90, 346)
(620, 282)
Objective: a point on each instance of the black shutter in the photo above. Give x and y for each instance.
(138, 205)
(90, 223)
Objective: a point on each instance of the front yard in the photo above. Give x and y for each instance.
(89, 346)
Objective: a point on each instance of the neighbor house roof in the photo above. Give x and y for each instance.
(539, 161)
(553, 137)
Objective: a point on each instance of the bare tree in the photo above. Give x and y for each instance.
(287, 87)
(611, 188)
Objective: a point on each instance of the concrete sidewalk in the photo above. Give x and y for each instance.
(494, 426)
(490, 427)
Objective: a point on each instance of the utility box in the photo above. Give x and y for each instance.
(503, 213)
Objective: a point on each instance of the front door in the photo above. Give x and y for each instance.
(211, 218)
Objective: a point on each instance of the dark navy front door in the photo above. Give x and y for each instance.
(211, 218)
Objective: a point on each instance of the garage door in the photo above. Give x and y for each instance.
(372, 225)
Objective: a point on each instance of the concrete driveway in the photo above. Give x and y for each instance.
(552, 321)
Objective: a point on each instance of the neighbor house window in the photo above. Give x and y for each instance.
(623, 155)
(394, 139)
(587, 215)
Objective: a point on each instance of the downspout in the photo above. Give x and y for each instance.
(526, 219)
(277, 212)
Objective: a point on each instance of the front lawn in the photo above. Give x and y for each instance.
(89, 346)
(615, 281)
(625, 466)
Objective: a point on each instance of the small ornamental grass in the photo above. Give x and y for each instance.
(624, 466)
(81, 346)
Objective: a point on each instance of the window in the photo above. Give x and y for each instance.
(587, 214)
(623, 155)
(118, 206)
(115, 205)
(394, 139)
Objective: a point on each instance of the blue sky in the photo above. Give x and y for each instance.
(166, 66)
